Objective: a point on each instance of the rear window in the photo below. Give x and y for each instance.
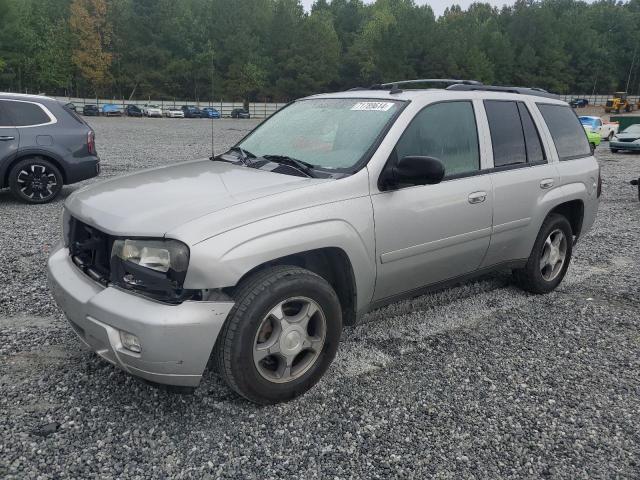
(507, 137)
(25, 114)
(567, 132)
(74, 115)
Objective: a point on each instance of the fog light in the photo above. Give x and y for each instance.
(130, 342)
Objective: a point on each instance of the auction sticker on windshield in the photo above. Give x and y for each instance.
(373, 106)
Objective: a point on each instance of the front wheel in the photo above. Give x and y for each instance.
(550, 257)
(35, 180)
(281, 335)
(614, 150)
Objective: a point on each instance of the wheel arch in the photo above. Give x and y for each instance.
(332, 264)
(573, 211)
(31, 154)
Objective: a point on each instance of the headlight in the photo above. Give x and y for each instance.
(154, 267)
(159, 255)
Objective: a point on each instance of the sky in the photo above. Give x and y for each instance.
(438, 6)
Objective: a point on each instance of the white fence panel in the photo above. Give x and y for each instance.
(256, 110)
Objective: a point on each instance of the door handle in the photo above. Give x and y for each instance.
(6, 139)
(546, 183)
(477, 197)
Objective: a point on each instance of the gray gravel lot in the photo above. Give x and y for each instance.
(479, 381)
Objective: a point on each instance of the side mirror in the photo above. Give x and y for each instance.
(412, 170)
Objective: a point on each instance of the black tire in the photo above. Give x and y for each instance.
(35, 180)
(530, 277)
(255, 297)
(614, 150)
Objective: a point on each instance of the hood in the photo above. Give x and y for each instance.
(628, 136)
(153, 202)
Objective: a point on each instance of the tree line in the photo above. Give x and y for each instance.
(272, 50)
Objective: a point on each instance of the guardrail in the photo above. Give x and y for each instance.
(256, 109)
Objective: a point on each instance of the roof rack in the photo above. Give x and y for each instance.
(493, 88)
(394, 87)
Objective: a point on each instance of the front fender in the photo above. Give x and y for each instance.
(222, 260)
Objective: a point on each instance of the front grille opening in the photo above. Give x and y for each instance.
(90, 250)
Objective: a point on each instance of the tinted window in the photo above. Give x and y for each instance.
(25, 114)
(535, 152)
(507, 137)
(446, 131)
(4, 118)
(567, 133)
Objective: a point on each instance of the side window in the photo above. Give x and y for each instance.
(566, 131)
(535, 152)
(507, 136)
(25, 114)
(5, 121)
(446, 131)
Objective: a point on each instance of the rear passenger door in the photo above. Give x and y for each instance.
(521, 177)
(9, 138)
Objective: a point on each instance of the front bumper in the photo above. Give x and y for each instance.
(624, 145)
(176, 340)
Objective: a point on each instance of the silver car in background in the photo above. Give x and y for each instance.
(338, 204)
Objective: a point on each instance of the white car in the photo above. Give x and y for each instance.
(174, 113)
(151, 111)
(606, 129)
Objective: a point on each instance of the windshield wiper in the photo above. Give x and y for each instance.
(245, 156)
(304, 167)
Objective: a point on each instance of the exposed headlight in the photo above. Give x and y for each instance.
(159, 255)
(154, 267)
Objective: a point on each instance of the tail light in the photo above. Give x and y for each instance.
(599, 190)
(91, 142)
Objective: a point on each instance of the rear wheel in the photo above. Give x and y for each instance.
(550, 257)
(281, 335)
(614, 150)
(35, 180)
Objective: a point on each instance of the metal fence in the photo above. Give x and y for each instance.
(257, 110)
(598, 100)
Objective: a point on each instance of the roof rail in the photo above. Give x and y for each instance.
(494, 88)
(394, 87)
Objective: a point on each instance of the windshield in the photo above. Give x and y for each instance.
(330, 133)
(153, 106)
(632, 128)
(587, 121)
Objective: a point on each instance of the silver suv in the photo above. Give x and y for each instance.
(338, 204)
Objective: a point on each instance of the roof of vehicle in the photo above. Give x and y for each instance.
(25, 96)
(455, 89)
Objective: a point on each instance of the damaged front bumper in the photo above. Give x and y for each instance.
(175, 340)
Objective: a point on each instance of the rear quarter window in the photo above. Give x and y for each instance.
(25, 114)
(566, 130)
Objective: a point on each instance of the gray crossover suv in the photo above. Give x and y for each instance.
(43, 145)
(337, 204)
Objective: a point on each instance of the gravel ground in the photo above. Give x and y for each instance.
(479, 381)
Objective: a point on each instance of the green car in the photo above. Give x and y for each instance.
(594, 137)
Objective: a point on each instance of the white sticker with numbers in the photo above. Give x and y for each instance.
(372, 106)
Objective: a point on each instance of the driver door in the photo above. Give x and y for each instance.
(432, 233)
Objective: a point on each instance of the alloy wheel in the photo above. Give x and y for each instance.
(554, 255)
(37, 182)
(289, 339)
